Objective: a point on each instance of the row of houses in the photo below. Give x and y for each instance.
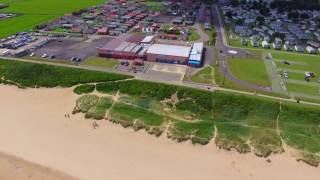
(276, 30)
(111, 18)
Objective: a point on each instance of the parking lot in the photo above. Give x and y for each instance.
(67, 48)
(165, 72)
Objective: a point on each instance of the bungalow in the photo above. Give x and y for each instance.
(177, 21)
(103, 31)
(67, 26)
(311, 50)
(299, 48)
(313, 44)
(265, 44)
(189, 23)
(276, 46)
(244, 42)
(114, 33)
(287, 47)
(254, 43)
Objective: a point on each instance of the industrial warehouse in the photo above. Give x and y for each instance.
(130, 47)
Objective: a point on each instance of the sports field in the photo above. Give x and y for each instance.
(33, 12)
(296, 65)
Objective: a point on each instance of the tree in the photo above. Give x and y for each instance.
(264, 11)
(234, 3)
(304, 16)
(260, 20)
(229, 14)
(239, 21)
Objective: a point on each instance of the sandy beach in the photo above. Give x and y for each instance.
(40, 141)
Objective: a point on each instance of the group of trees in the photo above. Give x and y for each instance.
(280, 5)
(283, 5)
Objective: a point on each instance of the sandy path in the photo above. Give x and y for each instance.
(34, 128)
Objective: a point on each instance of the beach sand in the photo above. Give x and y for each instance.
(34, 128)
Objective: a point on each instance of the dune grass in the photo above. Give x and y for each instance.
(42, 75)
(84, 89)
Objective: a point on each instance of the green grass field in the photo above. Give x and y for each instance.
(101, 62)
(33, 12)
(299, 64)
(250, 69)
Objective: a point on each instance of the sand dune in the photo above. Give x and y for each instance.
(34, 128)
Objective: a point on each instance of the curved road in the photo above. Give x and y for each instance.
(223, 47)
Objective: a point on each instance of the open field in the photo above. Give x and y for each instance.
(34, 12)
(250, 69)
(299, 64)
(101, 62)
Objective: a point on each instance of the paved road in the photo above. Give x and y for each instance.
(225, 53)
(191, 85)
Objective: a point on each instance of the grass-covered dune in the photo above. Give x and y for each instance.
(231, 121)
(40, 75)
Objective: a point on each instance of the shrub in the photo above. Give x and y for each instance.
(84, 89)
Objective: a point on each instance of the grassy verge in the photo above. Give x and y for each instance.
(204, 76)
(42, 75)
(101, 62)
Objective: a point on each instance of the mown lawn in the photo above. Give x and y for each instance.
(33, 12)
(250, 69)
(304, 89)
(301, 62)
(101, 62)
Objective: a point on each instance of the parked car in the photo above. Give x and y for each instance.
(44, 55)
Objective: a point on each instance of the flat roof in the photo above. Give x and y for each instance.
(169, 50)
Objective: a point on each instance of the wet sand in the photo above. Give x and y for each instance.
(34, 128)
